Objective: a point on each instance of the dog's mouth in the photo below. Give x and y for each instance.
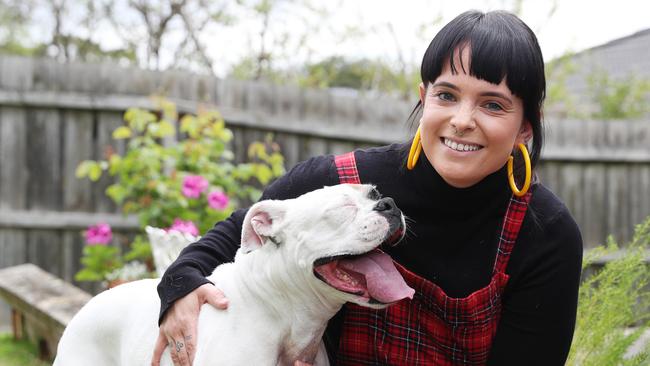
(371, 276)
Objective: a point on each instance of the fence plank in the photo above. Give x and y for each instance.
(103, 146)
(642, 194)
(548, 175)
(44, 248)
(77, 146)
(340, 147)
(288, 102)
(13, 158)
(616, 202)
(637, 194)
(16, 73)
(12, 252)
(233, 94)
(11, 249)
(290, 145)
(238, 144)
(344, 110)
(70, 264)
(261, 100)
(313, 147)
(316, 107)
(44, 160)
(594, 204)
(571, 188)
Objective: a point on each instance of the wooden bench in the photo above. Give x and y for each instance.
(41, 305)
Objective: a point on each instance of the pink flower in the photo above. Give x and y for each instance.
(184, 227)
(99, 234)
(194, 185)
(218, 200)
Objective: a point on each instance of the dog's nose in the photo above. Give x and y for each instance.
(387, 206)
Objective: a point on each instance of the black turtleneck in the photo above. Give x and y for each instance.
(451, 240)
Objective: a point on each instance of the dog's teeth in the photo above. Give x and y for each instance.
(345, 277)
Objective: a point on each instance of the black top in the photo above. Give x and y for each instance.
(451, 240)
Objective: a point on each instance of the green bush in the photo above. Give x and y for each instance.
(612, 301)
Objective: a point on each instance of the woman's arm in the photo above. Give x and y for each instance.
(199, 259)
(539, 306)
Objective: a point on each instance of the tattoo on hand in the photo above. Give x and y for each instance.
(179, 345)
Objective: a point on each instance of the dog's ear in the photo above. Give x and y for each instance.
(261, 224)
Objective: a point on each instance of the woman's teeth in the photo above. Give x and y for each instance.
(460, 147)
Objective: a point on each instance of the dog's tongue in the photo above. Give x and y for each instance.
(384, 282)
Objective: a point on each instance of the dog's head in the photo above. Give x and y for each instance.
(332, 235)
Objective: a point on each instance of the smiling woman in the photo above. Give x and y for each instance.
(495, 270)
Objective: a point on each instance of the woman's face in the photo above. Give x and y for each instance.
(469, 126)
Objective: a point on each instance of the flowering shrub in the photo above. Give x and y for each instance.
(218, 200)
(100, 234)
(99, 258)
(184, 227)
(187, 185)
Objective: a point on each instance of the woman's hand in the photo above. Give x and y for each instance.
(178, 328)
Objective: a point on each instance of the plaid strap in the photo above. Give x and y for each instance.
(512, 221)
(346, 167)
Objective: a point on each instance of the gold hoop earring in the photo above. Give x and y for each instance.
(414, 153)
(511, 178)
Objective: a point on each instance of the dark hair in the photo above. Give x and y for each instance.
(501, 46)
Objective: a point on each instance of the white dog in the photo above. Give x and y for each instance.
(300, 260)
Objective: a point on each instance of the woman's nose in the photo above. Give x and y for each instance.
(463, 119)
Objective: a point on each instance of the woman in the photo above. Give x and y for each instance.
(496, 263)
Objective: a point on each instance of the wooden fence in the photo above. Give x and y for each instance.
(54, 115)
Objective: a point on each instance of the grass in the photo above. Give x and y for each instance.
(18, 353)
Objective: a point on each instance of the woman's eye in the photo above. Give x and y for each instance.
(493, 106)
(445, 96)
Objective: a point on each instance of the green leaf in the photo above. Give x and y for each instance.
(166, 129)
(255, 149)
(88, 275)
(114, 163)
(263, 173)
(190, 125)
(122, 132)
(94, 172)
(90, 168)
(226, 135)
(116, 192)
(130, 114)
(140, 250)
(83, 168)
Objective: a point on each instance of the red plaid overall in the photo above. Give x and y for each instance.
(432, 328)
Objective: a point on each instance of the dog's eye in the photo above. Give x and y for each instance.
(374, 194)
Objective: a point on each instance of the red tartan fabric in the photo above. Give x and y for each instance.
(432, 328)
(346, 167)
